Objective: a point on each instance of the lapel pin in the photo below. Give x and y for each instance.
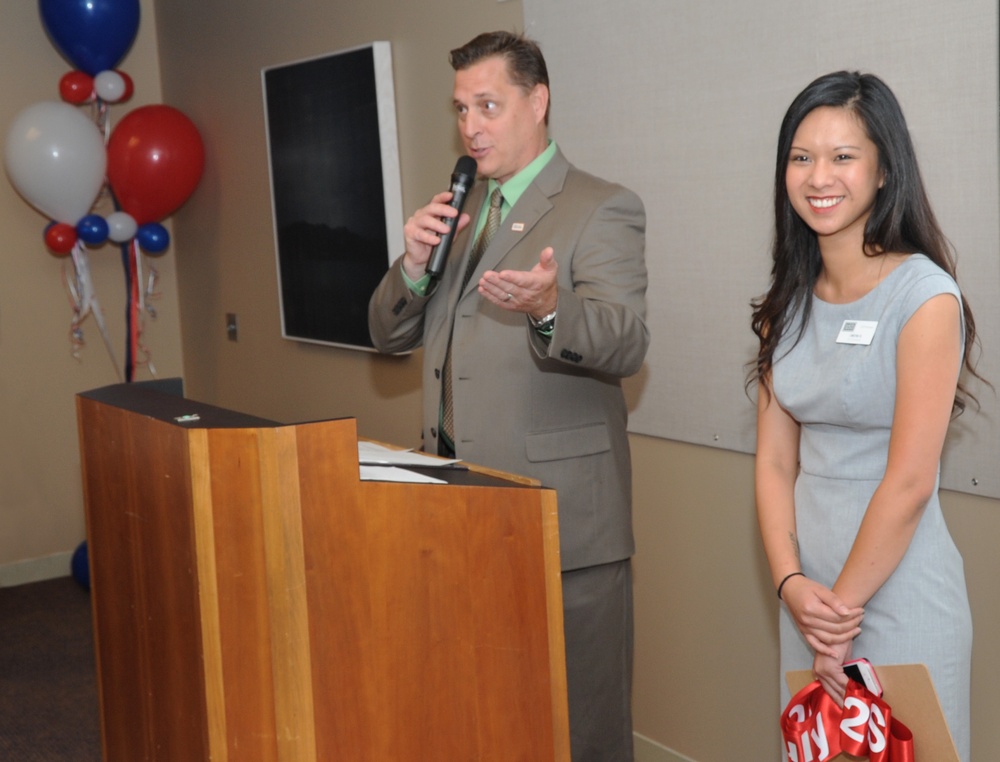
(517, 227)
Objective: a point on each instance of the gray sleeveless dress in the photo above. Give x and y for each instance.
(842, 395)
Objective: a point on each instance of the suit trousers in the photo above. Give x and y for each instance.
(597, 612)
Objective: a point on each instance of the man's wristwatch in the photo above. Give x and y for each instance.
(544, 324)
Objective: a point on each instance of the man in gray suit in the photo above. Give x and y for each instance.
(524, 351)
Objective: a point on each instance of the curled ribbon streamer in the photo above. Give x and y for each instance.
(151, 293)
(138, 308)
(84, 302)
(79, 300)
(99, 113)
(815, 729)
(140, 292)
(145, 308)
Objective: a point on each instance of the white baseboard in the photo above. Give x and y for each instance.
(647, 750)
(36, 569)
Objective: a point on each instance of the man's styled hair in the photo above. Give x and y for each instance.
(525, 62)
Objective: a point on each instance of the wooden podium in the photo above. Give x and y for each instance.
(253, 599)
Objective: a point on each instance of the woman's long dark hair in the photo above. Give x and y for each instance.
(901, 219)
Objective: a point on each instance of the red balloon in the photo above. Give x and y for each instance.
(60, 237)
(129, 86)
(155, 160)
(76, 87)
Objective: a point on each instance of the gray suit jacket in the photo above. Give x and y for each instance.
(553, 410)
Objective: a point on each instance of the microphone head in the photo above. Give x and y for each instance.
(466, 165)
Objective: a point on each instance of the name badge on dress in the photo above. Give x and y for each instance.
(857, 332)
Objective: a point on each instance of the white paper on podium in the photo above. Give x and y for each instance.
(393, 474)
(372, 454)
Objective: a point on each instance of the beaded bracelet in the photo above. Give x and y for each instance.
(788, 577)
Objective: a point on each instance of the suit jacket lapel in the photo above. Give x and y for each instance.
(533, 204)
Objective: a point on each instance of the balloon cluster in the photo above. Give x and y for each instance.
(60, 158)
(94, 36)
(57, 159)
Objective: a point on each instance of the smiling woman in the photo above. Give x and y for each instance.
(862, 338)
(833, 176)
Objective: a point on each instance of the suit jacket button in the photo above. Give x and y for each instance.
(571, 356)
(434, 433)
(437, 373)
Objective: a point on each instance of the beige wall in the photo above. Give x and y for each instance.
(705, 611)
(41, 507)
(211, 64)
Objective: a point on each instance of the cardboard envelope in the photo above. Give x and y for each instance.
(908, 689)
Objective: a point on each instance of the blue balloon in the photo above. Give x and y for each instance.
(93, 35)
(80, 565)
(92, 229)
(153, 237)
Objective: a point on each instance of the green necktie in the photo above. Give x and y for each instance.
(485, 235)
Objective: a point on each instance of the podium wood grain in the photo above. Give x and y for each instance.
(254, 600)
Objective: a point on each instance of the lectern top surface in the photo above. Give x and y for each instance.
(152, 401)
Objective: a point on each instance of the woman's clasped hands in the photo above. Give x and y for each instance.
(829, 626)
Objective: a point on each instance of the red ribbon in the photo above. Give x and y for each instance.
(815, 729)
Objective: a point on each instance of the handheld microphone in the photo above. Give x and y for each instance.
(461, 181)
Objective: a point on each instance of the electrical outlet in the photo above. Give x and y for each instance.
(232, 327)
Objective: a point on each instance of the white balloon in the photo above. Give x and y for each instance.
(109, 86)
(121, 227)
(55, 158)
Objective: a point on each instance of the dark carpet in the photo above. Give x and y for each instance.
(48, 686)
